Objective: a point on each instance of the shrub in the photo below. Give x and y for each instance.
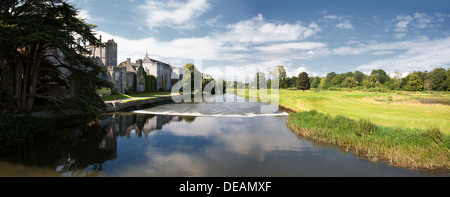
(115, 92)
(334, 89)
(129, 92)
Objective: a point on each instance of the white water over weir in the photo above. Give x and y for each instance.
(230, 106)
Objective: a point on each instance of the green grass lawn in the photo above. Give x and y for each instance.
(400, 109)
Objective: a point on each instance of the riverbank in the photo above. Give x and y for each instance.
(405, 147)
(135, 103)
(391, 127)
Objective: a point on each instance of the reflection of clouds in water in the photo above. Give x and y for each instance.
(171, 165)
(244, 136)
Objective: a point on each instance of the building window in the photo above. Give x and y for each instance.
(117, 76)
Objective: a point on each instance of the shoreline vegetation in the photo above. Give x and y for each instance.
(405, 147)
(417, 148)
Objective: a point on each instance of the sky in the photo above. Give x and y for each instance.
(235, 38)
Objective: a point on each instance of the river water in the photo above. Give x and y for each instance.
(186, 139)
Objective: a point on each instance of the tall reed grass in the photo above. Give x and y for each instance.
(406, 147)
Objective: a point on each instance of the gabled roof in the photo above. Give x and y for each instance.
(146, 59)
(149, 60)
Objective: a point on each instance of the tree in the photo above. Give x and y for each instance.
(260, 80)
(337, 80)
(447, 81)
(190, 75)
(414, 83)
(279, 74)
(404, 81)
(381, 75)
(329, 77)
(437, 79)
(290, 82)
(303, 81)
(393, 83)
(38, 47)
(315, 82)
(371, 81)
(359, 76)
(349, 82)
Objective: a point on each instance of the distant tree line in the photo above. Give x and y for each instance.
(436, 80)
(378, 80)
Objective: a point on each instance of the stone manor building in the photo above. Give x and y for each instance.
(129, 75)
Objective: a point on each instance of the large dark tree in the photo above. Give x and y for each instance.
(303, 81)
(437, 79)
(381, 75)
(38, 46)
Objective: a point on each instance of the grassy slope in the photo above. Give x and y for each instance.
(390, 109)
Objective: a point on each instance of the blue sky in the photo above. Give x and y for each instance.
(316, 36)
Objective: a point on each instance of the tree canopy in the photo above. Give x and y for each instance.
(39, 48)
(303, 81)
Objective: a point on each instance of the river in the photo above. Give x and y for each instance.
(186, 139)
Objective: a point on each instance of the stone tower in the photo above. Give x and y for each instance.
(110, 53)
(104, 55)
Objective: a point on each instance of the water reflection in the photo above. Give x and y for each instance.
(66, 150)
(126, 144)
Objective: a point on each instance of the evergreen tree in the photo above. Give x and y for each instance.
(303, 81)
(38, 47)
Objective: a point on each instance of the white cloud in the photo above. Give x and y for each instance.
(417, 55)
(258, 30)
(330, 17)
(441, 17)
(175, 14)
(403, 22)
(84, 14)
(349, 50)
(422, 20)
(343, 22)
(247, 44)
(345, 25)
(186, 48)
(417, 21)
(254, 40)
(382, 52)
(379, 48)
(288, 47)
